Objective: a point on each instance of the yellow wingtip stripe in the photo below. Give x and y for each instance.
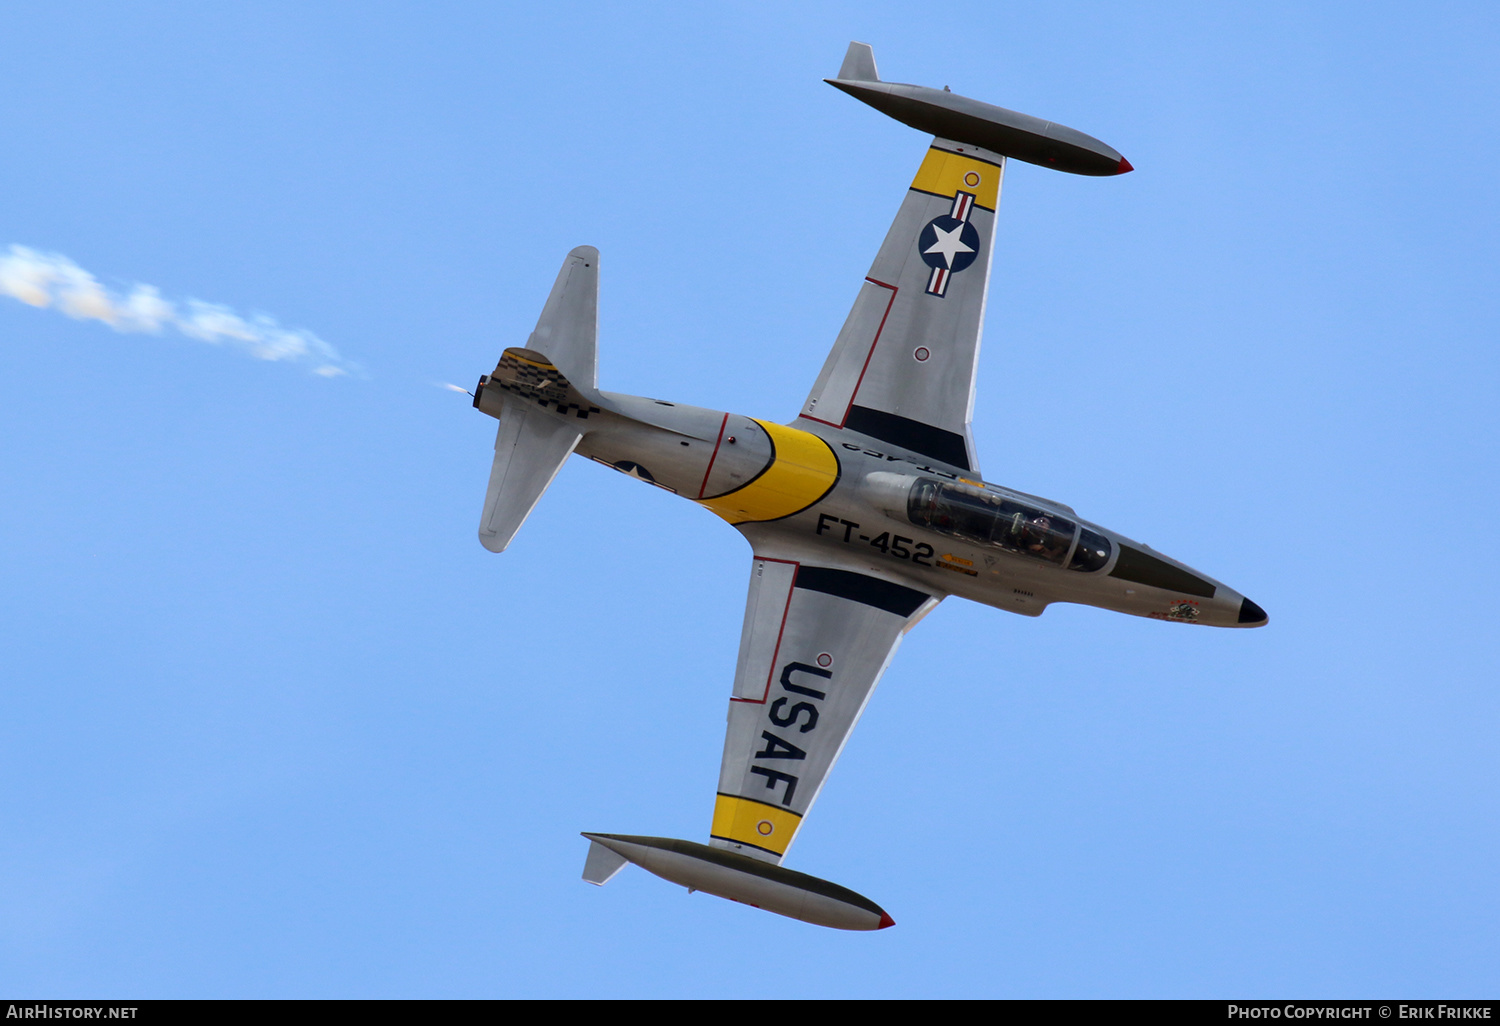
(948, 174)
(751, 822)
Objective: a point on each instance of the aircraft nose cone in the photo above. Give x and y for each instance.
(1252, 614)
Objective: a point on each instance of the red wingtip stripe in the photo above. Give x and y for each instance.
(885, 920)
(1123, 167)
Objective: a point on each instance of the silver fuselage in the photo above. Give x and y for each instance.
(876, 516)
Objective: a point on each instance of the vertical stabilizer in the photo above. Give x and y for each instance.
(567, 332)
(859, 64)
(540, 395)
(602, 864)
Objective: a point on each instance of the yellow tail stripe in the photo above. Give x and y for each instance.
(802, 470)
(529, 357)
(948, 174)
(752, 822)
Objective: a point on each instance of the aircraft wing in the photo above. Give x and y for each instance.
(902, 369)
(816, 641)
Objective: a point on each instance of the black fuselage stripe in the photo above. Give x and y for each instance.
(870, 591)
(1143, 568)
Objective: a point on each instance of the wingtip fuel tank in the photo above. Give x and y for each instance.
(727, 874)
(951, 116)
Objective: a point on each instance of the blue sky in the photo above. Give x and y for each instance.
(276, 726)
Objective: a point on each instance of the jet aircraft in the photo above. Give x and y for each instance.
(863, 513)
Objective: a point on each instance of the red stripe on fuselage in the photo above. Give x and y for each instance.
(704, 486)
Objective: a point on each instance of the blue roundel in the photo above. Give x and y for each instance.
(948, 243)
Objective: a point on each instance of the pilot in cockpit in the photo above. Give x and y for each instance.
(1038, 533)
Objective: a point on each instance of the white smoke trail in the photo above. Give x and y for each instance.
(52, 280)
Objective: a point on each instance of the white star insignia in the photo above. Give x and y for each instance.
(949, 244)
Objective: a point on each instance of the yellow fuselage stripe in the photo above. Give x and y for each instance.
(752, 822)
(802, 470)
(948, 174)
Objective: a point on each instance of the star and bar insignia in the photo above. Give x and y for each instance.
(949, 244)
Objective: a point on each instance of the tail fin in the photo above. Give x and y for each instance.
(556, 374)
(567, 332)
(859, 64)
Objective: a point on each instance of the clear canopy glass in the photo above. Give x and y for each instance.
(990, 519)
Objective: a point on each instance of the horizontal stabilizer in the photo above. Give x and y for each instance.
(602, 864)
(531, 446)
(739, 878)
(948, 115)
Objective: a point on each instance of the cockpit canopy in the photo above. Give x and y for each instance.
(988, 518)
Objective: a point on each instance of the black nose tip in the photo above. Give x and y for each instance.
(1251, 613)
